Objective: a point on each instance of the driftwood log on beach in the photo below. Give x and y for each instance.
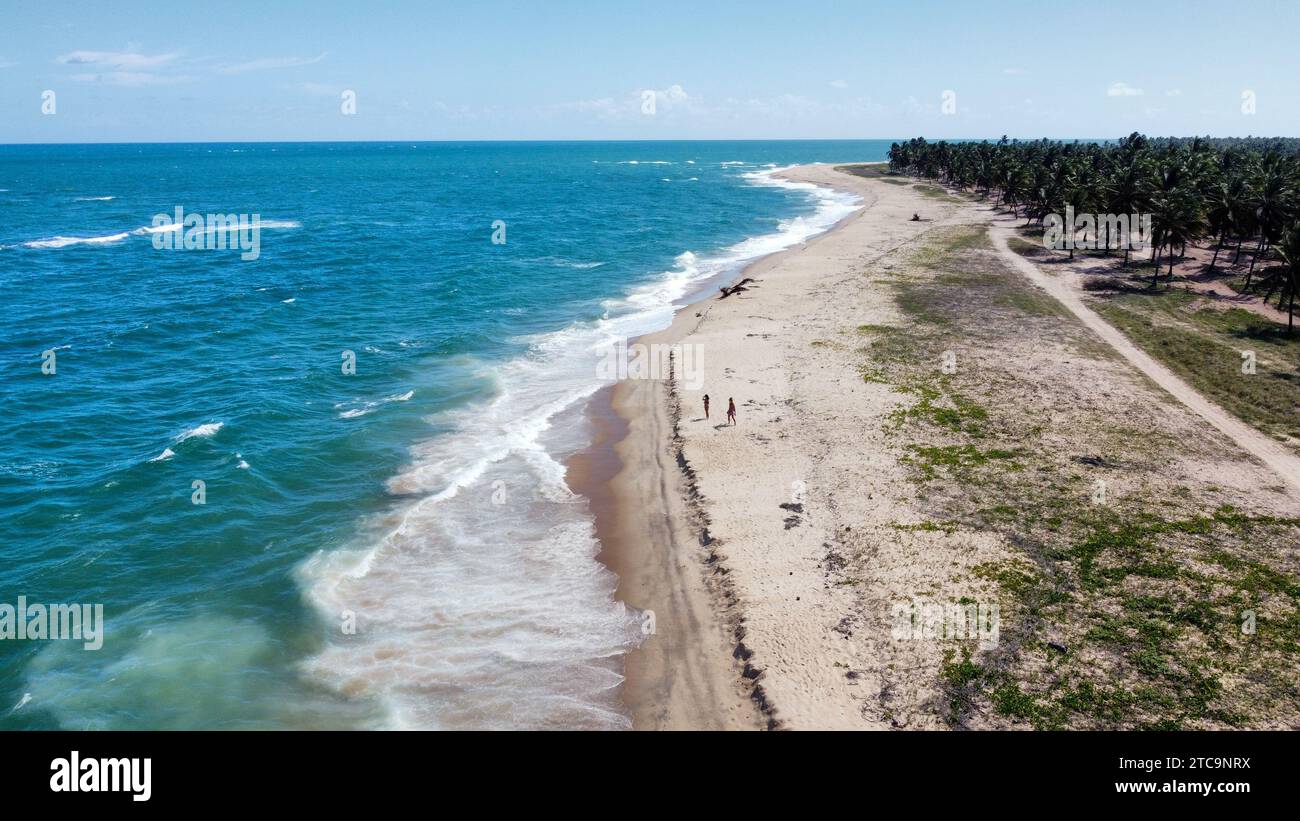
(735, 289)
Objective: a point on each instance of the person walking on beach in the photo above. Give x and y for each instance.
(731, 411)
(706, 406)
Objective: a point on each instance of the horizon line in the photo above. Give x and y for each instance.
(625, 140)
(589, 140)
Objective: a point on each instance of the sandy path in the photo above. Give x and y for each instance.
(1252, 441)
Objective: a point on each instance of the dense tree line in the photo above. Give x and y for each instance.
(1240, 194)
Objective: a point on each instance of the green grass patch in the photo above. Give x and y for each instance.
(1205, 345)
(941, 406)
(1028, 248)
(957, 460)
(934, 192)
(869, 170)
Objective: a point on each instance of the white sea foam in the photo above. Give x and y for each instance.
(367, 407)
(63, 242)
(561, 262)
(95, 199)
(169, 228)
(204, 430)
(480, 603)
(106, 239)
(217, 227)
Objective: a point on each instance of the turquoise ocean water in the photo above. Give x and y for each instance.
(420, 498)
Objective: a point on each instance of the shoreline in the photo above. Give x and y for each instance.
(693, 672)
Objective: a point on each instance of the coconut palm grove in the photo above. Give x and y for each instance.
(1239, 197)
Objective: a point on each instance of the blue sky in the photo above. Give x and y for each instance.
(490, 69)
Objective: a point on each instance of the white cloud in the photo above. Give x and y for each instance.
(1014, 71)
(6, 63)
(782, 114)
(629, 105)
(266, 63)
(673, 95)
(1174, 92)
(912, 107)
(122, 68)
(130, 61)
(839, 84)
(131, 78)
(1123, 90)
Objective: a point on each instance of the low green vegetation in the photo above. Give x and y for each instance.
(1208, 346)
(1027, 248)
(878, 170)
(1152, 605)
(957, 460)
(934, 192)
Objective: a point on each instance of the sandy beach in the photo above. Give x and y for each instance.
(774, 553)
(657, 523)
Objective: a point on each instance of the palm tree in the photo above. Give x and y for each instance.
(1285, 278)
(1015, 186)
(1221, 208)
(1271, 206)
(1165, 199)
(1126, 192)
(1177, 220)
(1227, 188)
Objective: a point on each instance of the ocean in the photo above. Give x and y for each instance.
(324, 487)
